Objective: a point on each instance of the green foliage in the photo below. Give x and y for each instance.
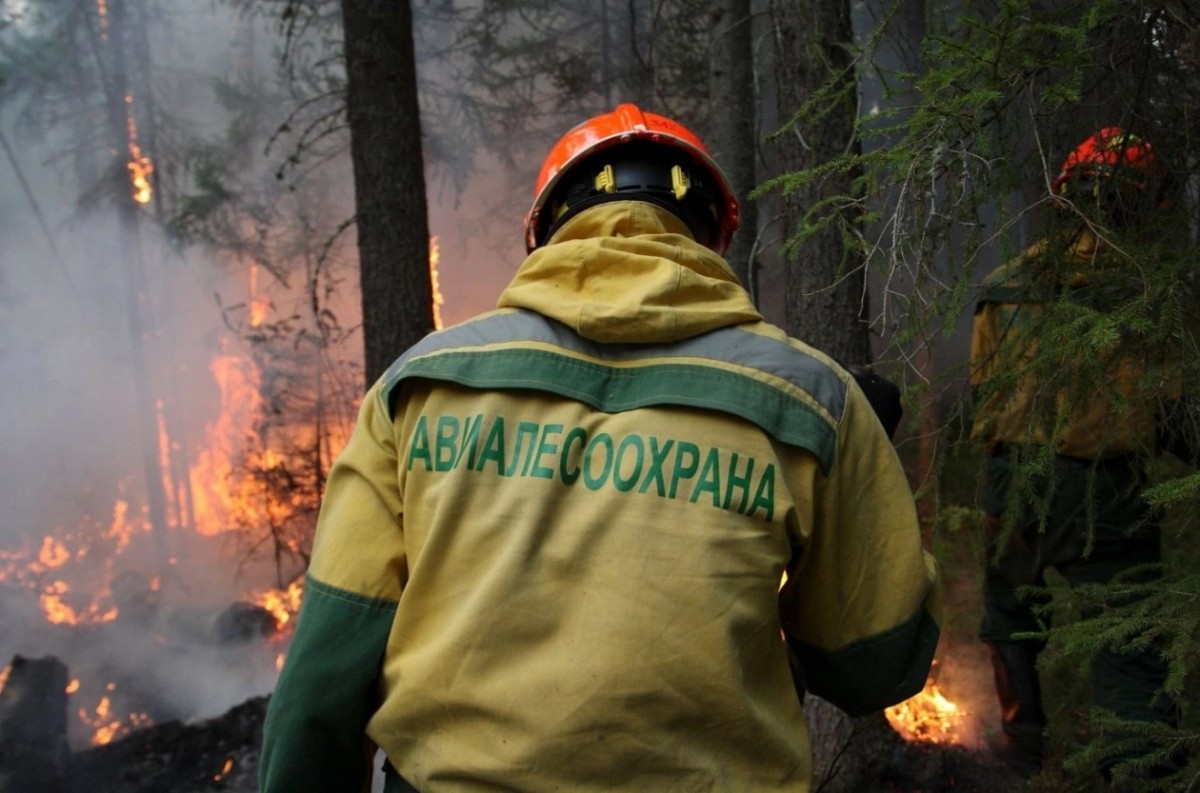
(953, 179)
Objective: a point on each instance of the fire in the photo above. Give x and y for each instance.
(53, 553)
(282, 603)
(435, 257)
(120, 529)
(231, 482)
(225, 769)
(929, 716)
(59, 612)
(259, 306)
(223, 500)
(140, 166)
(106, 726)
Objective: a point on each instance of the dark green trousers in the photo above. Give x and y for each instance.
(1097, 526)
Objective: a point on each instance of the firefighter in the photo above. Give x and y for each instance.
(550, 556)
(1082, 512)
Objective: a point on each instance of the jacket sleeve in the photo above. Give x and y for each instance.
(861, 604)
(314, 737)
(984, 344)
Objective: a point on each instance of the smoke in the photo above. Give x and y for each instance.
(107, 332)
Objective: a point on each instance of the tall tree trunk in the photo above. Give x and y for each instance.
(389, 179)
(124, 124)
(733, 111)
(826, 298)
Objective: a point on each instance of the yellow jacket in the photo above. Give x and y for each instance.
(550, 556)
(1030, 393)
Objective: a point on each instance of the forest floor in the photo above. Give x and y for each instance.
(965, 671)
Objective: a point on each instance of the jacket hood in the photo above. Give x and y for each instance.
(628, 271)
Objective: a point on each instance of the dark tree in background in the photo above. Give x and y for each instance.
(733, 111)
(389, 179)
(815, 79)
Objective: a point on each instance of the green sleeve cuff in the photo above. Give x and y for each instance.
(314, 734)
(874, 673)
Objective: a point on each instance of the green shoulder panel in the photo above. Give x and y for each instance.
(796, 398)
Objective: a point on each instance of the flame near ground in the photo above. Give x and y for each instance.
(929, 716)
(102, 589)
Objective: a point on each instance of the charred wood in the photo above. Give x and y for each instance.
(33, 726)
(219, 754)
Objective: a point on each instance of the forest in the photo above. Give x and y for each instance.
(221, 222)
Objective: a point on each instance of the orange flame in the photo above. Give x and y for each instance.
(106, 726)
(259, 306)
(222, 499)
(435, 257)
(283, 604)
(140, 166)
(928, 717)
(120, 529)
(59, 612)
(53, 553)
(225, 769)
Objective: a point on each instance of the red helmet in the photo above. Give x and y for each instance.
(632, 155)
(1112, 152)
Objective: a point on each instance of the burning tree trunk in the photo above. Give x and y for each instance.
(33, 726)
(131, 188)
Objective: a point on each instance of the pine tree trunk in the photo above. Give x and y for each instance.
(826, 298)
(732, 114)
(389, 180)
(124, 122)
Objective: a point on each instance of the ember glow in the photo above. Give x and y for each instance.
(102, 12)
(928, 717)
(106, 724)
(225, 769)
